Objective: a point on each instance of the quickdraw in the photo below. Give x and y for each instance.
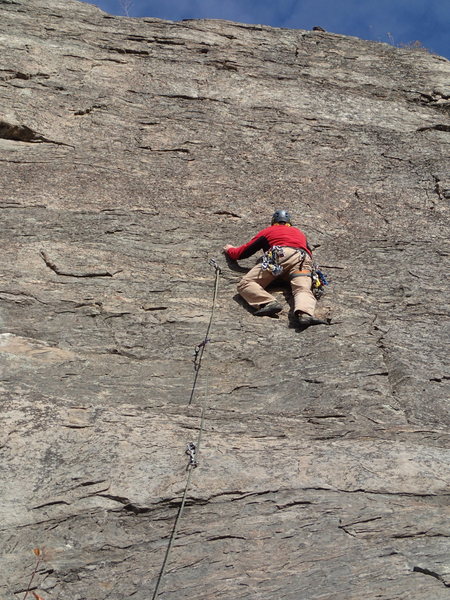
(197, 352)
(213, 263)
(318, 282)
(191, 451)
(270, 260)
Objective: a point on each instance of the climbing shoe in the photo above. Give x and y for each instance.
(268, 310)
(304, 320)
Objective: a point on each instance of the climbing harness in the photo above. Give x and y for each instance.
(192, 449)
(300, 272)
(271, 262)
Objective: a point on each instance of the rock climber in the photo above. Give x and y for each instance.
(288, 257)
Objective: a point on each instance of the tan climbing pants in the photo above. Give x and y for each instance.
(296, 269)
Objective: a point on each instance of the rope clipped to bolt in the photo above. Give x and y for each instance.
(192, 449)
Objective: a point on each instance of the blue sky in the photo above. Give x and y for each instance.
(394, 21)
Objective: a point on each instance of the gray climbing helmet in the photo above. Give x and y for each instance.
(281, 216)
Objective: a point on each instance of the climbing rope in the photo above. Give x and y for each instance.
(200, 348)
(192, 449)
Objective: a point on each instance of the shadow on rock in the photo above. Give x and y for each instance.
(234, 266)
(239, 300)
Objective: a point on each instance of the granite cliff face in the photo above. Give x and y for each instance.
(131, 151)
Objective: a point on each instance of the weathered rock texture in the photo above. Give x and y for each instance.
(131, 151)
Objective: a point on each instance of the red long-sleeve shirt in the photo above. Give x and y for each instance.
(275, 235)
